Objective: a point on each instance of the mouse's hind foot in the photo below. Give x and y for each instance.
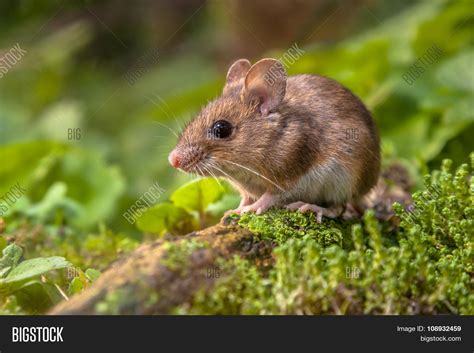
(331, 212)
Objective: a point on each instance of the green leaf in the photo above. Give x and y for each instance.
(54, 200)
(75, 286)
(25, 162)
(11, 255)
(92, 274)
(3, 243)
(164, 217)
(36, 297)
(457, 72)
(92, 183)
(4, 271)
(198, 194)
(449, 29)
(463, 110)
(34, 267)
(227, 202)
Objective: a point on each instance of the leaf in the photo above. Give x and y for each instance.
(34, 267)
(457, 72)
(4, 271)
(449, 29)
(25, 162)
(164, 217)
(36, 297)
(75, 286)
(11, 255)
(463, 110)
(54, 199)
(198, 194)
(227, 202)
(90, 183)
(92, 274)
(3, 242)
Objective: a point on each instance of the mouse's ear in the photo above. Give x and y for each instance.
(237, 71)
(266, 83)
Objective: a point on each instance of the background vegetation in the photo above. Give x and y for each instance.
(123, 77)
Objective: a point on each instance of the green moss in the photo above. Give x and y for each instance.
(428, 269)
(280, 225)
(178, 253)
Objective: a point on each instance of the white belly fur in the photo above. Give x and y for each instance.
(325, 184)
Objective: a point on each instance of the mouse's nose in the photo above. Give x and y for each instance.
(173, 158)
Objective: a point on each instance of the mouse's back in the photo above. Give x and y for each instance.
(342, 122)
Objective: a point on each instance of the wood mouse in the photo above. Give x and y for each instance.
(304, 142)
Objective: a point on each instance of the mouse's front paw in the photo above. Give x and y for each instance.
(261, 205)
(253, 208)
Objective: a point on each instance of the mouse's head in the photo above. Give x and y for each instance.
(237, 127)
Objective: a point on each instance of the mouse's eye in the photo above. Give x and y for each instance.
(221, 129)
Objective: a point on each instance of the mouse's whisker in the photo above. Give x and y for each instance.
(207, 168)
(166, 126)
(214, 165)
(196, 174)
(256, 173)
(168, 111)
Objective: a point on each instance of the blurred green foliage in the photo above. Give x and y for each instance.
(78, 189)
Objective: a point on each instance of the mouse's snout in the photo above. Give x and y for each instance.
(174, 158)
(186, 158)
